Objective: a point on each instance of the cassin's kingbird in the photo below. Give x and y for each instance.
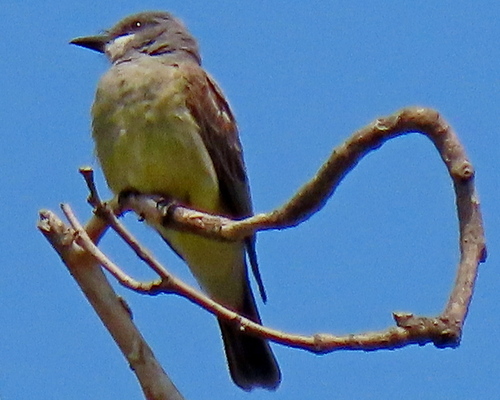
(161, 125)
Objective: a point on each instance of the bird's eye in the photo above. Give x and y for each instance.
(137, 24)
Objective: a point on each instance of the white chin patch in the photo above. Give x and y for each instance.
(117, 48)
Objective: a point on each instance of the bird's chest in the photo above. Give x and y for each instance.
(147, 140)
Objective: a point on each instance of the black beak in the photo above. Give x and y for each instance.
(97, 43)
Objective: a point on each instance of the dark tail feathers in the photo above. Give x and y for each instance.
(250, 359)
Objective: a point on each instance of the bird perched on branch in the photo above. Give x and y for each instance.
(162, 126)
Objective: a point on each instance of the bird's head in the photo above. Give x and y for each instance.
(151, 33)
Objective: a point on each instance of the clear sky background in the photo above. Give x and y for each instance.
(301, 77)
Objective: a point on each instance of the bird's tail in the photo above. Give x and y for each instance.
(250, 359)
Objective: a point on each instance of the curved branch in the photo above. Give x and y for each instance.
(443, 330)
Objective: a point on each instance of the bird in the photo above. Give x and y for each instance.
(162, 126)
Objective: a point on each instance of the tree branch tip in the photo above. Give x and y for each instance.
(93, 198)
(49, 223)
(44, 214)
(66, 209)
(44, 218)
(86, 170)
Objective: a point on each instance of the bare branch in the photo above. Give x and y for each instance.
(111, 308)
(444, 330)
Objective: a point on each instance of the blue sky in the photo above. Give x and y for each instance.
(301, 78)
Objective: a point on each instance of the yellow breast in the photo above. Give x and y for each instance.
(146, 138)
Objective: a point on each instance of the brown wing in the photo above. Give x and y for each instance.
(219, 132)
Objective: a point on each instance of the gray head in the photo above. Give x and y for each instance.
(150, 33)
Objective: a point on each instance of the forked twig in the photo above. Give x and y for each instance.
(110, 308)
